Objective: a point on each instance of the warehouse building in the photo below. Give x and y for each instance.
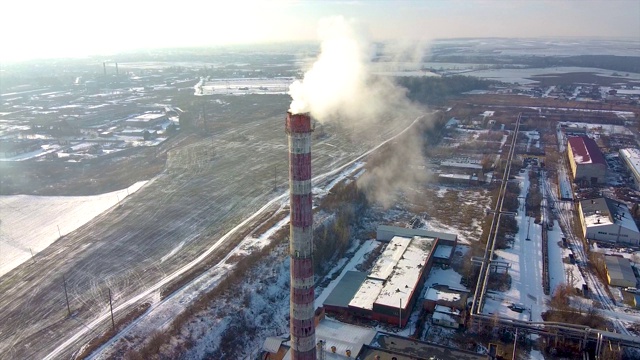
(386, 233)
(631, 158)
(608, 220)
(619, 271)
(587, 163)
(390, 290)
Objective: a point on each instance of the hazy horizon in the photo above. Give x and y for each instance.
(70, 28)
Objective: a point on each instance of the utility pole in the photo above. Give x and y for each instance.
(515, 340)
(32, 258)
(113, 323)
(66, 296)
(400, 313)
(59, 233)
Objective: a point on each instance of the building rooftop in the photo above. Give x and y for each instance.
(439, 295)
(443, 251)
(147, 117)
(406, 274)
(438, 315)
(343, 336)
(619, 268)
(605, 211)
(387, 345)
(348, 286)
(408, 233)
(367, 294)
(586, 151)
(389, 258)
(446, 310)
(633, 158)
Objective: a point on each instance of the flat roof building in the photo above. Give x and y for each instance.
(387, 346)
(586, 161)
(390, 290)
(619, 271)
(387, 232)
(607, 220)
(631, 158)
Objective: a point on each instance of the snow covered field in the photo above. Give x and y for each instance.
(31, 223)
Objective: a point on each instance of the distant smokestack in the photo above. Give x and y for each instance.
(302, 325)
(116, 68)
(104, 67)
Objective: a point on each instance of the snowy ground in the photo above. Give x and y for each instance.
(525, 257)
(31, 223)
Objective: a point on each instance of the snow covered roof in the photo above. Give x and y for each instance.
(446, 310)
(343, 336)
(272, 344)
(455, 176)
(367, 294)
(395, 274)
(463, 165)
(605, 211)
(406, 274)
(632, 158)
(443, 251)
(406, 232)
(444, 316)
(148, 117)
(619, 268)
(389, 258)
(439, 295)
(586, 151)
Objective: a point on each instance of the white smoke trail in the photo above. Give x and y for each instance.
(341, 86)
(340, 83)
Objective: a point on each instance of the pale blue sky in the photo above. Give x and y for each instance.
(45, 28)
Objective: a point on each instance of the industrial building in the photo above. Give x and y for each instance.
(147, 120)
(339, 341)
(608, 220)
(392, 287)
(386, 233)
(619, 271)
(586, 161)
(631, 158)
(388, 346)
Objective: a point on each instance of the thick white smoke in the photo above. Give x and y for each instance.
(340, 84)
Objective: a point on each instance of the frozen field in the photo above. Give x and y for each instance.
(32, 223)
(208, 187)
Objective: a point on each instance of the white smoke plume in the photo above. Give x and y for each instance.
(341, 86)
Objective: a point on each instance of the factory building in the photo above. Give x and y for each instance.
(608, 220)
(340, 341)
(390, 290)
(631, 158)
(147, 120)
(586, 161)
(619, 271)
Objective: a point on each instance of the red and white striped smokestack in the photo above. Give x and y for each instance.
(302, 325)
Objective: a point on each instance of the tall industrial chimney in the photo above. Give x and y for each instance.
(302, 326)
(104, 67)
(117, 69)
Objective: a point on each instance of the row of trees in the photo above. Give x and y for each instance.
(436, 90)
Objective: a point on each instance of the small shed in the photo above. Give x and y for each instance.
(619, 271)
